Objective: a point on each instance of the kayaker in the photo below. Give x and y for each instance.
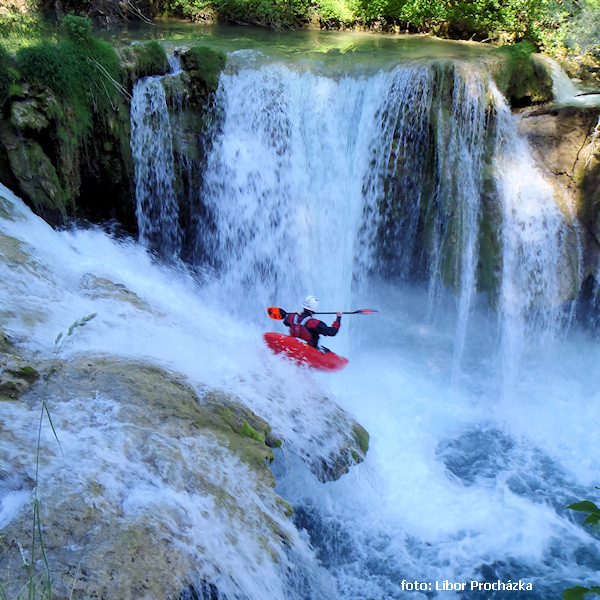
(303, 325)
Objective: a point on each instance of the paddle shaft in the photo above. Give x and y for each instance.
(354, 312)
(279, 313)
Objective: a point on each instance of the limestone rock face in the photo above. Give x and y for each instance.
(562, 141)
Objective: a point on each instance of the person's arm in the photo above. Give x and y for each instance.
(323, 329)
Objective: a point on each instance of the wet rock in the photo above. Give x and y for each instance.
(34, 171)
(561, 139)
(119, 511)
(346, 446)
(16, 375)
(26, 114)
(147, 487)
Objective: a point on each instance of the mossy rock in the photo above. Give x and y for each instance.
(26, 114)
(522, 79)
(202, 68)
(100, 287)
(142, 60)
(36, 175)
(5, 345)
(361, 436)
(16, 375)
(159, 397)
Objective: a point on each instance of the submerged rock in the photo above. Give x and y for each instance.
(100, 287)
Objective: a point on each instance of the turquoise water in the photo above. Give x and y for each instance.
(338, 51)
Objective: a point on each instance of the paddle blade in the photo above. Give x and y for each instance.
(276, 313)
(367, 311)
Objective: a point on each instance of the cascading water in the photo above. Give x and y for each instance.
(540, 270)
(157, 211)
(284, 181)
(369, 189)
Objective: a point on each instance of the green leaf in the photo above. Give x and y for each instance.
(585, 506)
(579, 592)
(592, 520)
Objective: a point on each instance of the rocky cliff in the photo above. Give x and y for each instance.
(565, 145)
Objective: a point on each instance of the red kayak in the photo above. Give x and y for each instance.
(302, 353)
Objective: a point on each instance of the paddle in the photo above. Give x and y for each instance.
(279, 313)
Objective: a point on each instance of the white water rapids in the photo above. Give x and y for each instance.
(482, 425)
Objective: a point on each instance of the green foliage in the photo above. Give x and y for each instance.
(8, 74)
(579, 592)
(190, 9)
(266, 13)
(593, 511)
(18, 29)
(337, 11)
(79, 69)
(570, 26)
(77, 29)
(593, 518)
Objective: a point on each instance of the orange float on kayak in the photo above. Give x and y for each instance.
(302, 353)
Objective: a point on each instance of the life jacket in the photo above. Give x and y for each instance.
(298, 328)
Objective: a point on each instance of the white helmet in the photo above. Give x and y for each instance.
(310, 303)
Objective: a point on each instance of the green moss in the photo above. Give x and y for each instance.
(79, 69)
(361, 435)
(203, 67)
(8, 74)
(519, 76)
(142, 60)
(28, 373)
(15, 89)
(248, 431)
(151, 59)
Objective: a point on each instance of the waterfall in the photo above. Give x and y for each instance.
(313, 184)
(157, 211)
(283, 182)
(540, 268)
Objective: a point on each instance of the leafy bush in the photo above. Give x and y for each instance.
(77, 29)
(190, 9)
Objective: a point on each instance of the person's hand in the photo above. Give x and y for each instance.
(339, 313)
